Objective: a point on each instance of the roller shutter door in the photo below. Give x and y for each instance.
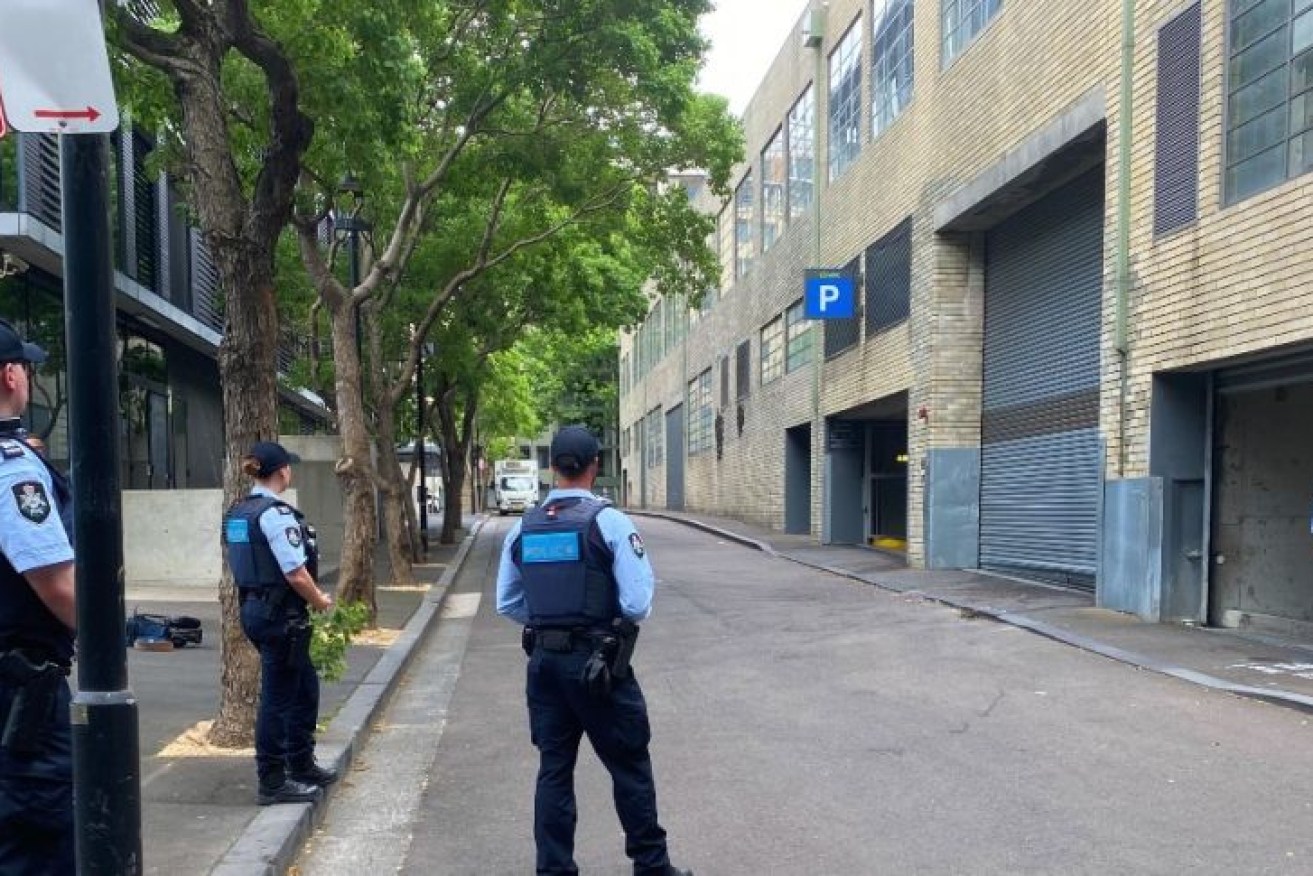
(1041, 454)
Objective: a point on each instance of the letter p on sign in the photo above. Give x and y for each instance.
(829, 295)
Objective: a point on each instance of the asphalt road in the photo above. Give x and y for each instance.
(806, 724)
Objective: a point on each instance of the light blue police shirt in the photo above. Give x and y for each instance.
(31, 533)
(632, 569)
(283, 532)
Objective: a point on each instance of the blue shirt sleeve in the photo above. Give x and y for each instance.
(510, 586)
(284, 536)
(31, 533)
(632, 568)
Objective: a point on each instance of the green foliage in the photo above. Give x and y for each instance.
(330, 635)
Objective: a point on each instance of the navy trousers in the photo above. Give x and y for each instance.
(561, 711)
(289, 694)
(36, 799)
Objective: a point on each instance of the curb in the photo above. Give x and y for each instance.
(273, 839)
(1272, 696)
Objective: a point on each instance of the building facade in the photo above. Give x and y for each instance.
(1081, 302)
(169, 315)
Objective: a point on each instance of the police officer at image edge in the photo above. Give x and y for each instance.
(37, 620)
(274, 557)
(574, 571)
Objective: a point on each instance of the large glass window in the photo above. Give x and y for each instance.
(700, 414)
(655, 442)
(773, 179)
(961, 21)
(798, 337)
(802, 153)
(1269, 133)
(892, 67)
(726, 248)
(846, 102)
(743, 226)
(772, 350)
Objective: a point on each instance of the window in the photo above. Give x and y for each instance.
(772, 350)
(700, 416)
(846, 102)
(743, 370)
(1269, 122)
(843, 334)
(802, 145)
(743, 226)
(544, 457)
(961, 21)
(797, 338)
(892, 67)
(655, 450)
(724, 381)
(726, 226)
(773, 179)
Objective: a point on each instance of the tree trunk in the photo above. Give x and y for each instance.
(355, 470)
(247, 357)
(397, 508)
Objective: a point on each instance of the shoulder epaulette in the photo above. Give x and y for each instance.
(11, 448)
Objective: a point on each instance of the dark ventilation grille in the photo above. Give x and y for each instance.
(40, 164)
(889, 279)
(1176, 152)
(207, 303)
(143, 212)
(724, 381)
(841, 334)
(743, 369)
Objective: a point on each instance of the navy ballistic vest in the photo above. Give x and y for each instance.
(566, 565)
(251, 559)
(25, 622)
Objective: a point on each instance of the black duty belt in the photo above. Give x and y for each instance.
(564, 641)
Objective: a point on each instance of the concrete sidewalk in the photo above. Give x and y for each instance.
(1240, 663)
(198, 812)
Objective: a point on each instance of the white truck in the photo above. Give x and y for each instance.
(515, 485)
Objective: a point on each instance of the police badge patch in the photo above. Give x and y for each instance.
(294, 536)
(636, 542)
(33, 503)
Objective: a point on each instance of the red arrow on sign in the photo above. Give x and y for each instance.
(90, 114)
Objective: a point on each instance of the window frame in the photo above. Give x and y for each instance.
(794, 207)
(993, 8)
(774, 207)
(745, 211)
(882, 23)
(799, 337)
(845, 112)
(770, 356)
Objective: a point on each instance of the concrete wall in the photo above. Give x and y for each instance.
(172, 536)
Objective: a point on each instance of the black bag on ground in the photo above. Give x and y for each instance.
(181, 630)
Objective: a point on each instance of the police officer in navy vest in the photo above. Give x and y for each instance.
(574, 571)
(37, 617)
(275, 563)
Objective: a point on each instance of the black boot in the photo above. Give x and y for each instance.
(306, 770)
(287, 791)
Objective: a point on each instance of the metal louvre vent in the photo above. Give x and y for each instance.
(1176, 149)
(40, 177)
(143, 217)
(206, 302)
(724, 381)
(889, 279)
(841, 334)
(743, 370)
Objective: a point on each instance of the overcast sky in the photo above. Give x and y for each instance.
(745, 35)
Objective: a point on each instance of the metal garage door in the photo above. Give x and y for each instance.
(1041, 456)
(675, 458)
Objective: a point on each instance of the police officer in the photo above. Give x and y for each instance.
(275, 563)
(574, 570)
(37, 618)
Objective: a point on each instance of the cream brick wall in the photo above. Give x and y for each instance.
(1032, 63)
(1233, 283)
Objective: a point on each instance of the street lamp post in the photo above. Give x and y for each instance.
(421, 444)
(353, 225)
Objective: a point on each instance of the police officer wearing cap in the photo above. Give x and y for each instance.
(37, 619)
(275, 563)
(574, 571)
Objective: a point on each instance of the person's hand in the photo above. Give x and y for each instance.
(323, 602)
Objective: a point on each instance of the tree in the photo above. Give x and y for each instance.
(241, 190)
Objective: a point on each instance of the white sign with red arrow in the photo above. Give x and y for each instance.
(54, 68)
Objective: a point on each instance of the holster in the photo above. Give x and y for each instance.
(298, 632)
(625, 634)
(33, 706)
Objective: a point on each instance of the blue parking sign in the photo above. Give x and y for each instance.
(829, 295)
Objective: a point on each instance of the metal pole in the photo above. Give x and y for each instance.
(422, 444)
(353, 270)
(106, 766)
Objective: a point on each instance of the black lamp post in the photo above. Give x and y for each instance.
(421, 445)
(353, 225)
